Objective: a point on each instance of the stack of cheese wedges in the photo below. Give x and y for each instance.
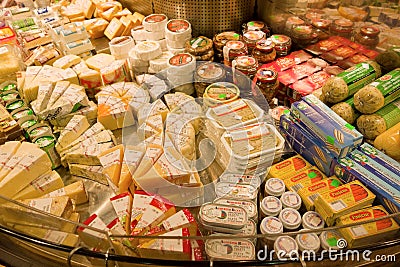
(144, 214)
(118, 103)
(80, 145)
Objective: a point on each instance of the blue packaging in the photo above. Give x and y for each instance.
(380, 157)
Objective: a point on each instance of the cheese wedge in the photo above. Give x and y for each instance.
(100, 61)
(7, 151)
(131, 160)
(151, 155)
(114, 29)
(93, 130)
(58, 90)
(71, 227)
(94, 173)
(42, 185)
(75, 127)
(76, 191)
(88, 9)
(87, 155)
(111, 160)
(44, 92)
(155, 108)
(67, 61)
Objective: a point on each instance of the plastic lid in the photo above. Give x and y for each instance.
(280, 39)
(181, 59)
(321, 23)
(271, 225)
(178, 25)
(308, 241)
(222, 91)
(271, 206)
(265, 45)
(295, 20)
(291, 200)
(290, 218)
(371, 31)
(224, 37)
(273, 186)
(313, 220)
(254, 35)
(236, 45)
(332, 240)
(210, 71)
(344, 23)
(285, 246)
(155, 18)
(45, 141)
(255, 25)
(246, 61)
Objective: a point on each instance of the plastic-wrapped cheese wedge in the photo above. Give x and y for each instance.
(117, 71)
(88, 155)
(131, 160)
(100, 61)
(111, 160)
(148, 110)
(152, 126)
(44, 184)
(67, 61)
(76, 191)
(90, 112)
(76, 127)
(44, 92)
(94, 173)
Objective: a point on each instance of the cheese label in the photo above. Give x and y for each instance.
(96, 222)
(181, 59)
(120, 204)
(43, 182)
(179, 219)
(43, 204)
(58, 193)
(178, 25)
(155, 18)
(55, 236)
(132, 157)
(110, 158)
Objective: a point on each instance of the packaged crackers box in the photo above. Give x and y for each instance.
(349, 170)
(338, 139)
(315, 147)
(367, 233)
(289, 167)
(377, 169)
(342, 200)
(380, 157)
(304, 179)
(310, 193)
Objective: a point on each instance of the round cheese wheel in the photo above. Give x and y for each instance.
(181, 64)
(148, 50)
(371, 125)
(155, 36)
(155, 22)
(139, 33)
(120, 46)
(175, 51)
(163, 44)
(177, 44)
(160, 63)
(135, 61)
(178, 30)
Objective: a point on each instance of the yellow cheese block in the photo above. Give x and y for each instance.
(114, 29)
(88, 9)
(67, 61)
(76, 191)
(128, 25)
(131, 160)
(111, 160)
(100, 61)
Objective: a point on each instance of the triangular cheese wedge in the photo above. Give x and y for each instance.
(111, 160)
(75, 127)
(132, 157)
(76, 191)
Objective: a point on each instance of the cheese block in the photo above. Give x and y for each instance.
(122, 204)
(67, 61)
(93, 130)
(100, 61)
(148, 50)
(128, 26)
(87, 155)
(58, 206)
(72, 32)
(96, 27)
(122, 13)
(137, 18)
(44, 184)
(88, 9)
(29, 167)
(110, 13)
(16, 151)
(130, 162)
(152, 126)
(79, 68)
(90, 78)
(7, 151)
(141, 200)
(53, 236)
(71, 227)
(114, 29)
(76, 191)
(111, 160)
(92, 238)
(76, 126)
(79, 47)
(116, 72)
(94, 173)
(181, 219)
(104, 6)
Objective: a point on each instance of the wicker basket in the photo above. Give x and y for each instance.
(208, 17)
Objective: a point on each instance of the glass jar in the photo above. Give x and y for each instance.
(267, 82)
(234, 49)
(264, 51)
(206, 74)
(256, 26)
(321, 27)
(313, 14)
(282, 43)
(251, 38)
(292, 22)
(220, 41)
(303, 35)
(368, 36)
(247, 65)
(342, 27)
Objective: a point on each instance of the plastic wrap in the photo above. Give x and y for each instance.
(346, 110)
(389, 142)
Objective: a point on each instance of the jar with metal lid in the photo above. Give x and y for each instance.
(342, 27)
(291, 22)
(368, 36)
(303, 35)
(251, 38)
(321, 27)
(206, 74)
(234, 49)
(256, 26)
(264, 51)
(267, 82)
(221, 39)
(244, 68)
(283, 43)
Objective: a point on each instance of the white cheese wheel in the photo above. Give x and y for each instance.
(148, 50)
(175, 51)
(155, 22)
(163, 44)
(139, 33)
(135, 61)
(155, 36)
(178, 29)
(178, 44)
(177, 80)
(160, 63)
(120, 46)
(181, 64)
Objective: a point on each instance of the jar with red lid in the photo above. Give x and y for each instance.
(282, 43)
(303, 35)
(342, 27)
(233, 49)
(368, 36)
(267, 81)
(256, 26)
(244, 68)
(321, 27)
(264, 51)
(251, 38)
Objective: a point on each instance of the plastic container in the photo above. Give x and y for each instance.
(223, 216)
(249, 206)
(342, 27)
(286, 246)
(206, 74)
(220, 93)
(321, 27)
(304, 35)
(308, 242)
(290, 218)
(270, 206)
(283, 43)
(236, 191)
(246, 65)
(368, 36)
(291, 199)
(230, 249)
(270, 226)
(331, 239)
(312, 220)
(291, 23)
(256, 26)
(233, 178)
(274, 187)
(249, 229)
(251, 38)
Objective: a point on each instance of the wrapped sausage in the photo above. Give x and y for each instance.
(348, 82)
(379, 93)
(346, 110)
(373, 125)
(389, 142)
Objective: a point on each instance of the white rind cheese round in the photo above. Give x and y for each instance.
(175, 51)
(181, 64)
(148, 50)
(160, 63)
(139, 33)
(178, 30)
(135, 61)
(120, 46)
(178, 44)
(155, 36)
(163, 44)
(155, 22)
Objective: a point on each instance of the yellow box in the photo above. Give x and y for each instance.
(289, 167)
